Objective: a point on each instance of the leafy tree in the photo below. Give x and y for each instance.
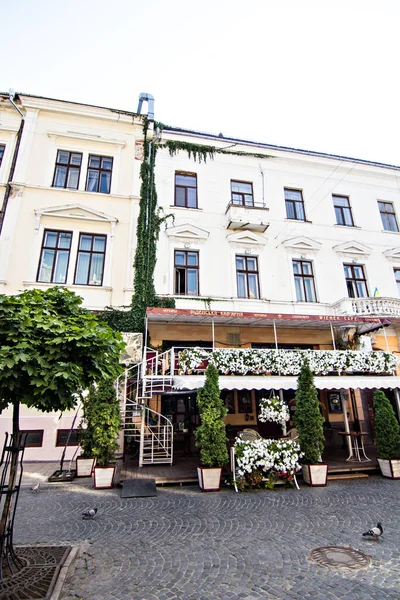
(307, 417)
(51, 349)
(387, 428)
(211, 434)
(101, 415)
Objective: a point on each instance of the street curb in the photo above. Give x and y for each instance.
(55, 594)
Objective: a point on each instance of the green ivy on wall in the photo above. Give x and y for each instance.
(201, 152)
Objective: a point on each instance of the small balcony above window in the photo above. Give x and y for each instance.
(252, 218)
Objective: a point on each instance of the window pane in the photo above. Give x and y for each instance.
(46, 266)
(358, 272)
(85, 242)
(107, 163)
(82, 268)
(180, 196)
(252, 264)
(73, 178)
(309, 289)
(339, 216)
(59, 179)
(192, 197)
(99, 244)
(192, 258)
(351, 289)
(50, 239)
(64, 241)
(241, 285)
(307, 268)
(392, 223)
(63, 157)
(293, 195)
(248, 200)
(253, 286)
(300, 211)
(186, 180)
(299, 289)
(96, 269)
(94, 161)
(341, 201)
(192, 281)
(240, 262)
(296, 267)
(347, 271)
(290, 210)
(179, 258)
(361, 289)
(76, 159)
(92, 180)
(105, 182)
(60, 271)
(348, 219)
(236, 199)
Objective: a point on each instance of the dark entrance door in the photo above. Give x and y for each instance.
(181, 409)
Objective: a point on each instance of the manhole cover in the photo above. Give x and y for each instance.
(340, 557)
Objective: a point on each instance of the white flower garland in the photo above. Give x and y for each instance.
(281, 456)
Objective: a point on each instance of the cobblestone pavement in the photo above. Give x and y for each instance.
(185, 544)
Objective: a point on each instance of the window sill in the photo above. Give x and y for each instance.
(72, 286)
(184, 207)
(298, 220)
(388, 231)
(347, 226)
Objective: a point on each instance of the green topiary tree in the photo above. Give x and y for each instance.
(307, 417)
(387, 428)
(101, 415)
(211, 434)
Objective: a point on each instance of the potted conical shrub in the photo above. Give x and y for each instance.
(387, 436)
(211, 434)
(101, 415)
(310, 426)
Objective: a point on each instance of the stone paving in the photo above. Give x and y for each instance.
(185, 544)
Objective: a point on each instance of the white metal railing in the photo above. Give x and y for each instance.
(373, 306)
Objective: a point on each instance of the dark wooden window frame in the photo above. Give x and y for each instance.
(186, 267)
(36, 431)
(57, 231)
(246, 271)
(294, 204)
(68, 167)
(383, 211)
(2, 151)
(101, 170)
(304, 276)
(341, 210)
(91, 252)
(62, 432)
(242, 194)
(354, 279)
(186, 187)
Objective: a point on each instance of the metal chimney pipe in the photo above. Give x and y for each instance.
(143, 97)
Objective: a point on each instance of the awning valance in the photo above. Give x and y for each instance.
(193, 382)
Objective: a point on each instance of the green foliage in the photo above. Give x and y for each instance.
(307, 417)
(211, 434)
(51, 349)
(387, 428)
(101, 415)
(201, 152)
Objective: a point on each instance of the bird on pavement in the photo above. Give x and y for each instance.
(90, 513)
(374, 532)
(35, 488)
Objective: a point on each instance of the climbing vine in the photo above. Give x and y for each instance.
(201, 152)
(147, 232)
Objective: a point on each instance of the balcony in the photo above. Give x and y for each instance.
(368, 307)
(246, 217)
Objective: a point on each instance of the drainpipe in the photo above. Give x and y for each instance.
(11, 94)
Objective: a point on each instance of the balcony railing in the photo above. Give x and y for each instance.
(377, 307)
(255, 362)
(251, 217)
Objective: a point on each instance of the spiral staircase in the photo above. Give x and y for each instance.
(148, 429)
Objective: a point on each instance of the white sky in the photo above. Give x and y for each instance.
(315, 74)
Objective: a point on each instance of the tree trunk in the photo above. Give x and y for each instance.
(5, 517)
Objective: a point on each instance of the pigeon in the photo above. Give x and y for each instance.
(374, 532)
(35, 488)
(89, 513)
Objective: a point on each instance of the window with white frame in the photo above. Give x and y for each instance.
(247, 277)
(90, 259)
(54, 256)
(304, 281)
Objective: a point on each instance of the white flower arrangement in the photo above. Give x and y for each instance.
(266, 456)
(273, 409)
(248, 361)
